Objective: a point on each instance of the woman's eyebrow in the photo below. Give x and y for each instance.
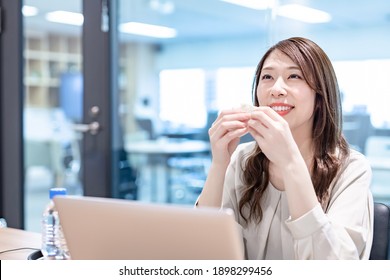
(292, 67)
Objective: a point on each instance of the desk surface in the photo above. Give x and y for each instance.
(11, 238)
(168, 147)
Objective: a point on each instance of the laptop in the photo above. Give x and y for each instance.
(117, 229)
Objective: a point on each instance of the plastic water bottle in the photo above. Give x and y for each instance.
(3, 223)
(53, 241)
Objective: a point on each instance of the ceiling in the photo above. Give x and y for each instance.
(205, 19)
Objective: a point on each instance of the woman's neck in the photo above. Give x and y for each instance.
(306, 147)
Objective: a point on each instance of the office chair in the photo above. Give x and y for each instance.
(380, 247)
(147, 125)
(357, 128)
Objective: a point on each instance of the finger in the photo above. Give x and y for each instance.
(230, 136)
(233, 114)
(268, 117)
(269, 112)
(257, 135)
(230, 117)
(219, 130)
(261, 119)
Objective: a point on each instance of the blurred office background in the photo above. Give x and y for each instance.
(178, 63)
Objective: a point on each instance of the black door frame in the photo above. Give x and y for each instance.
(100, 83)
(11, 110)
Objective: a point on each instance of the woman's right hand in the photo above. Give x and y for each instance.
(225, 134)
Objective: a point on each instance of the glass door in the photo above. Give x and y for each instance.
(53, 102)
(72, 134)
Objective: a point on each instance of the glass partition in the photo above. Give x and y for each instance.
(180, 63)
(184, 61)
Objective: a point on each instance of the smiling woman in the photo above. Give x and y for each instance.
(298, 191)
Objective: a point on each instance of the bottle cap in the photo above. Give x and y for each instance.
(57, 191)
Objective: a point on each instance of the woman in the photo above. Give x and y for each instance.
(298, 191)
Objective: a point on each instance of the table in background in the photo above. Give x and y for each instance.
(11, 238)
(164, 149)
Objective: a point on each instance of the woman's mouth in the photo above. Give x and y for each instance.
(282, 109)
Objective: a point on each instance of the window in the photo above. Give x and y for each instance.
(182, 97)
(234, 86)
(366, 86)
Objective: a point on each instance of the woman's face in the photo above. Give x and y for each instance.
(283, 88)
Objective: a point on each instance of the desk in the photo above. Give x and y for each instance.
(163, 149)
(189, 133)
(11, 238)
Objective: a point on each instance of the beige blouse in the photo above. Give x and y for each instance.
(343, 231)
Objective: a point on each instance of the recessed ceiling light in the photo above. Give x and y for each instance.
(149, 30)
(292, 11)
(65, 17)
(252, 4)
(29, 11)
(303, 13)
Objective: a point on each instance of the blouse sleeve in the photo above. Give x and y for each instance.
(344, 230)
(233, 179)
(229, 197)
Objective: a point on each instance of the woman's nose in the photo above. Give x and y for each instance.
(279, 88)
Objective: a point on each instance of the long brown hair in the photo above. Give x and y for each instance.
(330, 147)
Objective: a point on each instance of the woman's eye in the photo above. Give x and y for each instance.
(295, 76)
(266, 77)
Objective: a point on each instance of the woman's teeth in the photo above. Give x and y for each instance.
(281, 108)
